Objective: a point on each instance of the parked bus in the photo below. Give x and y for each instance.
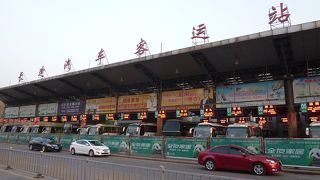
(176, 127)
(6, 128)
(314, 130)
(70, 128)
(208, 130)
(244, 130)
(105, 129)
(141, 129)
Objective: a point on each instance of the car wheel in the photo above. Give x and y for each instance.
(259, 169)
(30, 147)
(210, 165)
(43, 149)
(91, 153)
(73, 152)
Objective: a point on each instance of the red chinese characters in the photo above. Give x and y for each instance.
(279, 17)
(67, 65)
(21, 76)
(41, 72)
(200, 32)
(101, 55)
(142, 48)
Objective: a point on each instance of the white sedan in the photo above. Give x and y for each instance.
(90, 147)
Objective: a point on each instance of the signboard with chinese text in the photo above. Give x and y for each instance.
(117, 144)
(48, 109)
(185, 147)
(101, 105)
(136, 103)
(185, 99)
(71, 107)
(11, 112)
(251, 94)
(27, 111)
(306, 89)
(251, 144)
(302, 152)
(146, 145)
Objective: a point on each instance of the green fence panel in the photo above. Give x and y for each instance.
(117, 144)
(147, 145)
(67, 139)
(23, 138)
(13, 137)
(185, 147)
(251, 144)
(302, 152)
(3, 137)
(90, 137)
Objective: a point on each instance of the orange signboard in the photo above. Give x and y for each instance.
(101, 105)
(185, 99)
(137, 103)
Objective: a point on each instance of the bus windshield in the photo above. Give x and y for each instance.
(240, 132)
(171, 126)
(202, 131)
(132, 130)
(315, 131)
(93, 131)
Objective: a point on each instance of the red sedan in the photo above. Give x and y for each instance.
(232, 157)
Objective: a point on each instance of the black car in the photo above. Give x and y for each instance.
(44, 144)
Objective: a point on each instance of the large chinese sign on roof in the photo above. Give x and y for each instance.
(252, 94)
(101, 105)
(187, 99)
(306, 89)
(136, 103)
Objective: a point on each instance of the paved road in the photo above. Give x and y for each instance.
(186, 167)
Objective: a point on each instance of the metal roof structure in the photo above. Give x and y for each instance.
(275, 54)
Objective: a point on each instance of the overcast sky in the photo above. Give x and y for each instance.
(48, 32)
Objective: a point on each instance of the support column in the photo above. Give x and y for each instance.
(159, 126)
(291, 114)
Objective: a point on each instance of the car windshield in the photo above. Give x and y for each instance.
(315, 131)
(49, 140)
(95, 143)
(237, 132)
(202, 131)
(132, 129)
(171, 126)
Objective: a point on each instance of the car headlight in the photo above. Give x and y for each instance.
(271, 161)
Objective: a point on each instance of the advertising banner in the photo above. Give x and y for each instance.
(3, 137)
(117, 144)
(187, 99)
(27, 111)
(13, 137)
(251, 144)
(302, 152)
(67, 139)
(146, 145)
(185, 147)
(101, 105)
(251, 94)
(23, 138)
(11, 112)
(90, 137)
(135, 103)
(306, 89)
(50, 109)
(71, 107)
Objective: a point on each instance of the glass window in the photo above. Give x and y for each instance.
(171, 126)
(235, 151)
(221, 150)
(95, 143)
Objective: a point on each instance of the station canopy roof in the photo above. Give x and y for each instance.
(275, 54)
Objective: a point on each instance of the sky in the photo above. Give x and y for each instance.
(35, 33)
